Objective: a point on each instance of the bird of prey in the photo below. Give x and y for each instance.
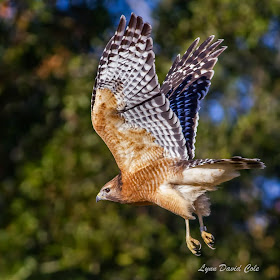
(151, 130)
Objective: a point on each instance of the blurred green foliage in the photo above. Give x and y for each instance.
(52, 163)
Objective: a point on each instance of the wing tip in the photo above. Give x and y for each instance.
(122, 19)
(122, 24)
(218, 51)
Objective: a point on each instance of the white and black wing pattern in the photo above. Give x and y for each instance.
(127, 69)
(188, 82)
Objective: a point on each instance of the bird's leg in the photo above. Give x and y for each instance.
(193, 244)
(207, 237)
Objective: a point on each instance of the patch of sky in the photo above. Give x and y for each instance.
(257, 222)
(270, 188)
(242, 105)
(245, 99)
(215, 111)
(62, 5)
(261, 220)
(117, 8)
(271, 39)
(143, 8)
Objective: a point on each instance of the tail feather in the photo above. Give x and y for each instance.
(243, 163)
(194, 177)
(237, 162)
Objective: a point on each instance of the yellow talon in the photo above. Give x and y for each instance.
(208, 239)
(194, 246)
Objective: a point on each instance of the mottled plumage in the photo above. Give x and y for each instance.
(151, 130)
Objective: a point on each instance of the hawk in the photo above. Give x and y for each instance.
(151, 130)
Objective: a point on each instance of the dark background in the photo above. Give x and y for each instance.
(52, 163)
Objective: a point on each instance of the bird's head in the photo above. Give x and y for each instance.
(112, 190)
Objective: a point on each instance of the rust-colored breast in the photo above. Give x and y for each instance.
(143, 184)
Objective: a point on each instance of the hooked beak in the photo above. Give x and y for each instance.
(99, 197)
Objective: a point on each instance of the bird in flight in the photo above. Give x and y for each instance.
(151, 130)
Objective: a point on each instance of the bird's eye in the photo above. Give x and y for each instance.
(107, 190)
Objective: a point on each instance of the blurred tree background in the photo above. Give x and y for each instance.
(52, 163)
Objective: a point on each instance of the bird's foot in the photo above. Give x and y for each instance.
(194, 245)
(208, 239)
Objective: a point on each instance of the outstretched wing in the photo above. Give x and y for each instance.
(188, 82)
(128, 110)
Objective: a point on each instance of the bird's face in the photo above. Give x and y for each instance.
(111, 191)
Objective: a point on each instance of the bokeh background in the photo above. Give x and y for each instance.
(52, 163)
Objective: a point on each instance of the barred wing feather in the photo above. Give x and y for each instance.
(188, 82)
(127, 70)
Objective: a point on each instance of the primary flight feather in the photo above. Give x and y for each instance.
(151, 130)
